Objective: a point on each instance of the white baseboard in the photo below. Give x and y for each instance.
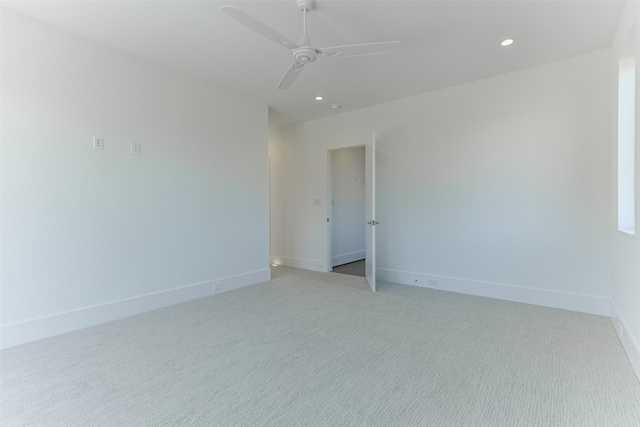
(629, 342)
(305, 264)
(44, 327)
(544, 297)
(347, 258)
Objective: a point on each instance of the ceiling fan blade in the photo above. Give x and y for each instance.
(257, 26)
(361, 49)
(291, 75)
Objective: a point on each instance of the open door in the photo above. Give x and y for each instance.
(370, 201)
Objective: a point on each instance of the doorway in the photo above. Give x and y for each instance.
(348, 223)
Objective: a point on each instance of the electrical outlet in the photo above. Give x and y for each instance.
(217, 287)
(98, 143)
(432, 282)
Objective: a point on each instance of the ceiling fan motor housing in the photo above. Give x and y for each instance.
(305, 54)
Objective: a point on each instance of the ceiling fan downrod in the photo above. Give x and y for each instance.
(304, 6)
(305, 53)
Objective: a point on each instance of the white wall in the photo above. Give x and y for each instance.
(500, 187)
(89, 236)
(347, 206)
(281, 168)
(625, 295)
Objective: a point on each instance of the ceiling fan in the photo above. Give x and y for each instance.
(304, 53)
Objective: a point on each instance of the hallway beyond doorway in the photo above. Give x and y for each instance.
(355, 268)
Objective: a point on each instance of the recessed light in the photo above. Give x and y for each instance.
(336, 106)
(507, 42)
(319, 98)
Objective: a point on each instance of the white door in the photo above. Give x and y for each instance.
(370, 201)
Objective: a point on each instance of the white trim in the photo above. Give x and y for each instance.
(302, 263)
(347, 258)
(629, 342)
(47, 326)
(627, 20)
(329, 230)
(544, 297)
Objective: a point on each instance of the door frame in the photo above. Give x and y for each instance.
(370, 209)
(330, 201)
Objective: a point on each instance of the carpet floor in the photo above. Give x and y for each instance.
(320, 349)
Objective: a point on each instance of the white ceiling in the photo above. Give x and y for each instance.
(445, 43)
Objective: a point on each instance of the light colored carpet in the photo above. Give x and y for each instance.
(319, 349)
